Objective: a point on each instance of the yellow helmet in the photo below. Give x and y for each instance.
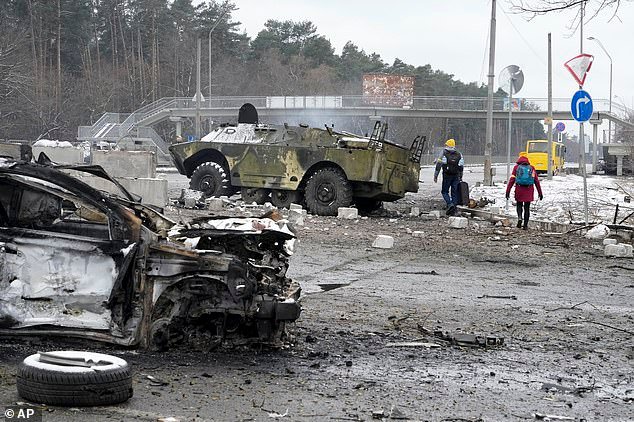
(523, 154)
(450, 143)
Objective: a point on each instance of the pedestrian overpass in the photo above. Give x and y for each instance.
(135, 130)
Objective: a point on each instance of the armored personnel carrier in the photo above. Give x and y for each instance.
(320, 168)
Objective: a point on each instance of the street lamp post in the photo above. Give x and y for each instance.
(610, 103)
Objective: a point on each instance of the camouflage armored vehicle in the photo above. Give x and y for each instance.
(320, 168)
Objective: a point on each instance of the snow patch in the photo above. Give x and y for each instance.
(598, 232)
(52, 144)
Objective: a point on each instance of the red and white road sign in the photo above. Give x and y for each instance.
(579, 67)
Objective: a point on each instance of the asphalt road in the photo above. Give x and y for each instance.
(564, 312)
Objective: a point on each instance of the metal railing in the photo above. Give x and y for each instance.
(354, 101)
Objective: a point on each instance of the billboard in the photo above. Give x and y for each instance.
(388, 90)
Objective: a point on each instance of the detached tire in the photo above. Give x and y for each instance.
(326, 190)
(105, 383)
(211, 179)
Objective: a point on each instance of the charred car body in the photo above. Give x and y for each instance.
(321, 168)
(76, 261)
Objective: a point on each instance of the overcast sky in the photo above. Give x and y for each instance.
(451, 35)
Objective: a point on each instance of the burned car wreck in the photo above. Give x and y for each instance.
(79, 262)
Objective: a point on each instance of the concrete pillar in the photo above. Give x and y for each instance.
(619, 165)
(179, 129)
(595, 139)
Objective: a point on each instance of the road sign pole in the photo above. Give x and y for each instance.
(508, 141)
(581, 135)
(582, 166)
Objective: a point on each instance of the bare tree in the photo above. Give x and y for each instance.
(533, 8)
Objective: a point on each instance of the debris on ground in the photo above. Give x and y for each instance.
(460, 339)
(600, 231)
(383, 242)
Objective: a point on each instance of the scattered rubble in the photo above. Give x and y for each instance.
(458, 222)
(620, 250)
(347, 213)
(600, 231)
(383, 242)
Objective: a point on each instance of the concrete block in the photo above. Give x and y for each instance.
(296, 216)
(215, 204)
(190, 202)
(418, 234)
(610, 241)
(458, 222)
(295, 207)
(414, 211)
(383, 242)
(60, 154)
(347, 213)
(620, 250)
(17, 151)
(151, 191)
(139, 164)
(435, 214)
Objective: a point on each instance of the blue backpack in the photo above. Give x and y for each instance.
(524, 175)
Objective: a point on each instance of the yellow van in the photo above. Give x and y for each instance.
(537, 153)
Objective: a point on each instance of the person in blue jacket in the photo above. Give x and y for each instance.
(452, 165)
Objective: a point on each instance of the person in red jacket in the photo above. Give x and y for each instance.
(525, 179)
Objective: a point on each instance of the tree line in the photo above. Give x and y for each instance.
(63, 63)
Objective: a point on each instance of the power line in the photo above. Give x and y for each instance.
(530, 47)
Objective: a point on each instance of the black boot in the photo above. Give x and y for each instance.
(525, 225)
(519, 224)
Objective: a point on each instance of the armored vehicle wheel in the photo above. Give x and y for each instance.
(211, 179)
(257, 195)
(284, 198)
(367, 205)
(326, 190)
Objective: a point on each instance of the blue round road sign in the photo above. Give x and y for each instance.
(560, 126)
(581, 106)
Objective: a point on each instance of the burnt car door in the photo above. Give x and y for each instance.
(59, 262)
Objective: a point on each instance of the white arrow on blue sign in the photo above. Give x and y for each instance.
(581, 106)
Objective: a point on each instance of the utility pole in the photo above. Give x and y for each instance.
(488, 177)
(550, 108)
(222, 15)
(198, 94)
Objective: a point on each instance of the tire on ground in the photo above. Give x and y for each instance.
(108, 381)
(326, 190)
(257, 195)
(211, 179)
(284, 198)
